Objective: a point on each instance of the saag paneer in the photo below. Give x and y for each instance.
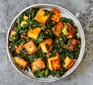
(44, 41)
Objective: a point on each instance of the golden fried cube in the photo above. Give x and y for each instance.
(68, 63)
(38, 64)
(54, 63)
(57, 28)
(41, 16)
(30, 47)
(33, 33)
(20, 61)
(46, 45)
(56, 15)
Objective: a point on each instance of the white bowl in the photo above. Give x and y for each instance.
(64, 13)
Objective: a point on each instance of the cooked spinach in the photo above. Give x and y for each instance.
(50, 24)
(47, 12)
(34, 23)
(31, 12)
(66, 20)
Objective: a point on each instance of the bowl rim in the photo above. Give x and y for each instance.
(51, 5)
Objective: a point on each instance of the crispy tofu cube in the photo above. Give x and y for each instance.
(23, 23)
(68, 30)
(55, 11)
(20, 61)
(18, 48)
(68, 63)
(30, 47)
(54, 63)
(46, 45)
(41, 17)
(38, 64)
(57, 28)
(56, 16)
(33, 33)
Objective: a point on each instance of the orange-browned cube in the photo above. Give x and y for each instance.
(41, 16)
(57, 28)
(46, 45)
(68, 63)
(33, 33)
(30, 47)
(38, 64)
(56, 15)
(54, 63)
(69, 30)
(21, 61)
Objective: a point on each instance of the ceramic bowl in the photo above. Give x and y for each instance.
(65, 13)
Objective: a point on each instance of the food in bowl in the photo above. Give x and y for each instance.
(45, 42)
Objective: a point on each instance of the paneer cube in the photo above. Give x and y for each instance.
(71, 30)
(41, 16)
(68, 30)
(72, 44)
(33, 33)
(68, 63)
(54, 63)
(56, 15)
(20, 61)
(23, 23)
(57, 28)
(30, 47)
(38, 64)
(46, 45)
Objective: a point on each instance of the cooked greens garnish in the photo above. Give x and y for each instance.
(34, 23)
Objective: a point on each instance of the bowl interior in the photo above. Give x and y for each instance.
(64, 13)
